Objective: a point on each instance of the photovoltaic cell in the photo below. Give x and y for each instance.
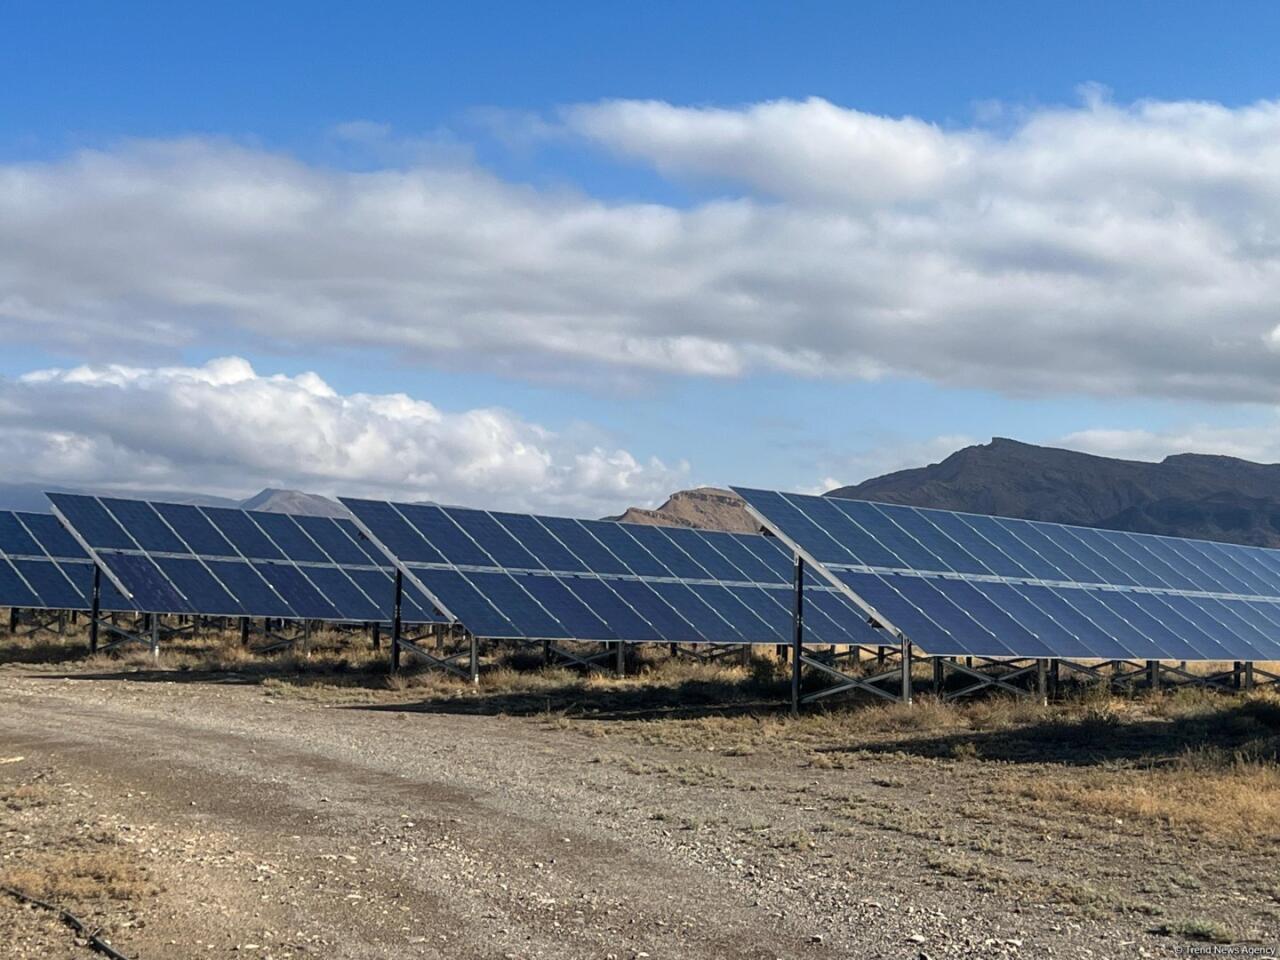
(215, 561)
(525, 576)
(969, 584)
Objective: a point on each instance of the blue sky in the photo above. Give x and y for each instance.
(771, 244)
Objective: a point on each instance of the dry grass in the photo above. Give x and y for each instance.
(77, 876)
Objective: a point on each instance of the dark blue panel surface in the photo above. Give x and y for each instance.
(772, 552)
(1132, 641)
(880, 593)
(753, 568)
(14, 538)
(1019, 602)
(446, 536)
(196, 530)
(14, 592)
(667, 553)
(922, 529)
(499, 545)
(1074, 564)
(149, 590)
(52, 536)
(298, 592)
(575, 619)
(142, 523)
(648, 604)
(517, 606)
(335, 541)
(797, 525)
(346, 597)
(618, 541)
(1004, 629)
(850, 619)
(1072, 540)
(712, 627)
(1140, 548)
(577, 540)
(877, 522)
(991, 556)
(255, 595)
(91, 521)
(860, 544)
(55, 591)
(539, 541)
(702, 547)
(624, 621)
(205, 595)
(772, 610)
(1229, 574)
(963, 627)
(1191, 576)
(998, 532)
(742, 620)
(393, 531)
(243, 533)
(1136, 608)
(80, 573)
(289, 537)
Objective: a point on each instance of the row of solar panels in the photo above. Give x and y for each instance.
(211, 561)
(970, 585)
(519, 575)
(501, 575)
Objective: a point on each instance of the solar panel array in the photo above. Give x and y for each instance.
(215, 561)
(967, 584)
(508, 575)
(42, 566)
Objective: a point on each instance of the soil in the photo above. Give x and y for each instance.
(236, 819)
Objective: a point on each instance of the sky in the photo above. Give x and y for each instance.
(574, 257)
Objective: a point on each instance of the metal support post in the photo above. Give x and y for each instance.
(244, 631)
(95, 603)
(619, 659)
(155, 636)
(938, 674)
(13, 611)
(1248, 675)
(375, 634)
(797, 636)
(546, 652)
(1235, 674)
(906, 670)
(1153, 674)
(473, 659)
(395, 623)
(1042, 681)
(746, 655)
(1055, 679)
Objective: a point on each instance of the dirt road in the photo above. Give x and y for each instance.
(257, 823)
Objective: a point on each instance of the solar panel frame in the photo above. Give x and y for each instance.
(243, 568)
(661, 584)
(1068, 592)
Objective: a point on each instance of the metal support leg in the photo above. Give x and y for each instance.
(546, 652)
(473, 659)
(155, 636)
(938, 674)
(1042, 681)
(797, 636)
(13, 611)
(1153, 674)
(375, 634)
(1248, 675)
(395, 623)
(619, 659)
(906, 671)
(1055, 679)
(1236, 670)
(244, 631)
(95, 611)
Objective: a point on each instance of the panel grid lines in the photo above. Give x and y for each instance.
(963, 583)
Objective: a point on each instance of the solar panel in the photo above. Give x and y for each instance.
(42, 566)
(510, 575)
(214, 561)
(960, 584)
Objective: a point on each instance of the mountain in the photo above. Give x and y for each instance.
(708, 507)
(272, 500)
(1186, 495)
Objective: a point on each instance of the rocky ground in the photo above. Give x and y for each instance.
(215, 815)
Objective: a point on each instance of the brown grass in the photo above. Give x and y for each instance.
(77, 876)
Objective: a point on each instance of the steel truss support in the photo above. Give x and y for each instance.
(53, 622)
(147, 630)
(463, 662)
(1124, 674)
(892, 682)
(607, 656)
(994, 674)
(277, 638)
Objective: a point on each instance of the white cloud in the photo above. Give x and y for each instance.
(1260, 443)
(1104, 249)
(223, 428)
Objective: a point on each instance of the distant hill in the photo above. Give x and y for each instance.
(710, 508)
(272, 500)
(1186, 495)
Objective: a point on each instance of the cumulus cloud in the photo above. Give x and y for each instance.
(223, 428)
(1260, 442)
(1105, 249)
